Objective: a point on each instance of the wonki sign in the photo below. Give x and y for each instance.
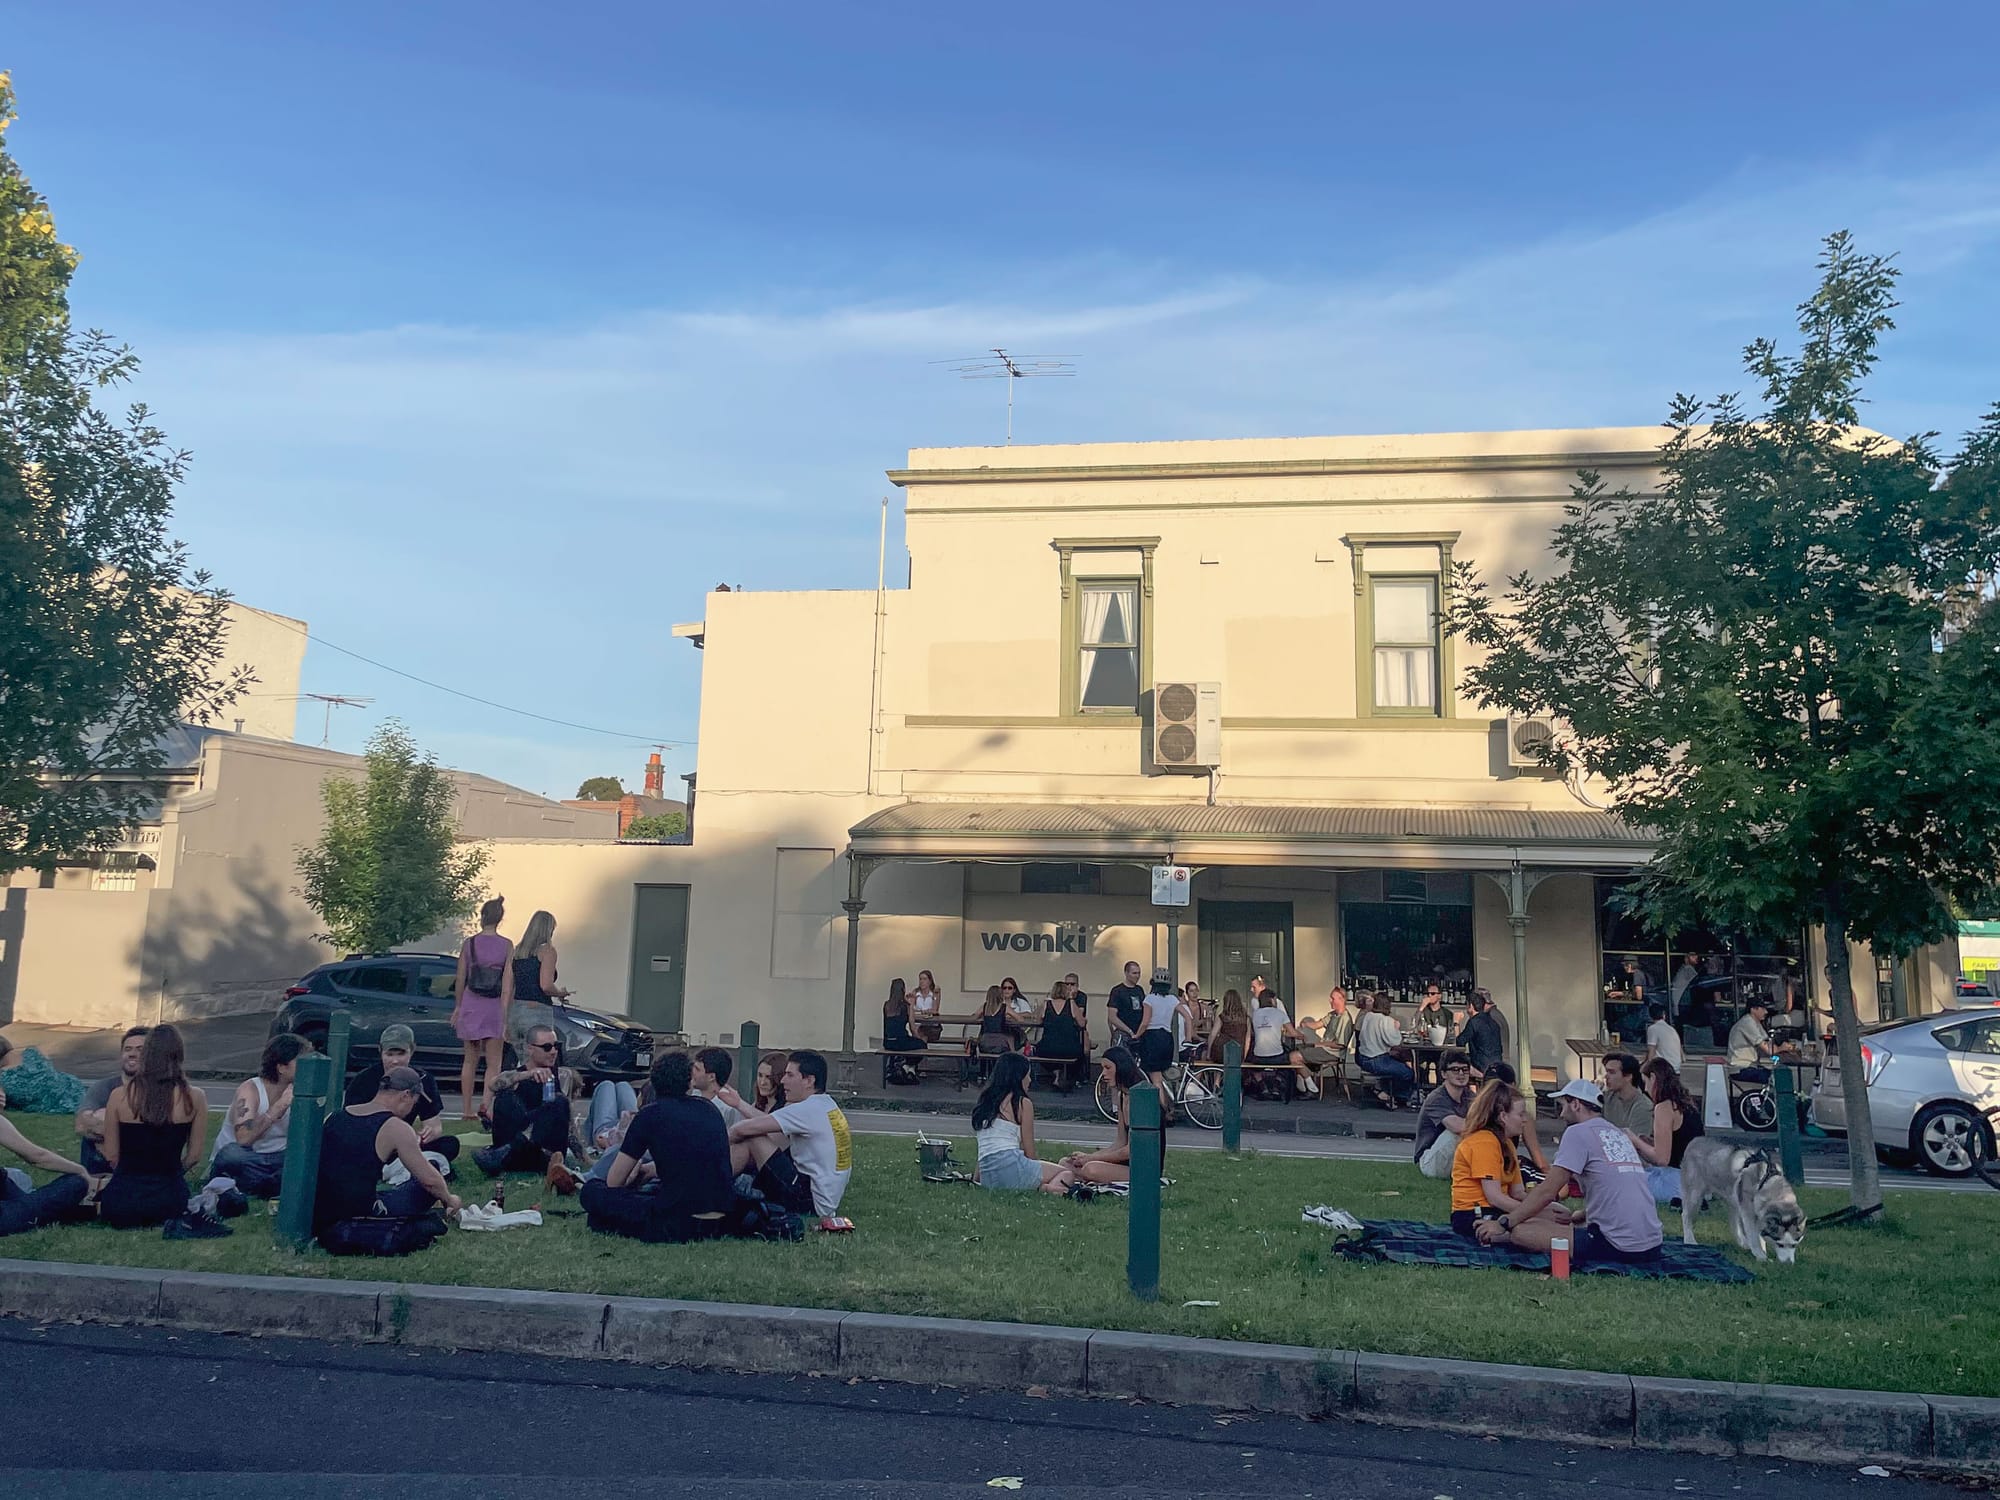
(1038, 953)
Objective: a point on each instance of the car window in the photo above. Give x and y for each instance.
(1980, 1038)
(435, 979)
(382, 979)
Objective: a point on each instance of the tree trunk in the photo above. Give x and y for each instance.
(1865, 1182)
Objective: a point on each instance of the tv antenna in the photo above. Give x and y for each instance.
(998, 364)
(333, 701)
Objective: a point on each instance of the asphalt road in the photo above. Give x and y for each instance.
(104, 1411)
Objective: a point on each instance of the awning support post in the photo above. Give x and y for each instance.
(859, 868)
(1519, 884)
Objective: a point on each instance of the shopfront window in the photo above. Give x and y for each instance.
(1403, 930)
(1703, 976)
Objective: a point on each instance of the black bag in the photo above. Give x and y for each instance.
(382, 1235)
(484, 980)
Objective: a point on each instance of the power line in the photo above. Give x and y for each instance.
(507, 708)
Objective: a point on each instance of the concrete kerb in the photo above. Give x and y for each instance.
(1953, 1432)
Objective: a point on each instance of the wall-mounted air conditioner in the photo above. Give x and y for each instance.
(1187, 726)
(1529, 736)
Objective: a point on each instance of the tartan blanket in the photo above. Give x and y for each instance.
(1409, 1242)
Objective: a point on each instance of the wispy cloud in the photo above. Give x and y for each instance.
(527, 510)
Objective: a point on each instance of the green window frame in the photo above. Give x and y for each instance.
(1085, 620)
(1443, 677)
(1405, 660)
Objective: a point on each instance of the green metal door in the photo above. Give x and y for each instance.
(1242, 939)
(659, 956)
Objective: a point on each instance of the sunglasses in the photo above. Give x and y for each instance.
(541, 1046)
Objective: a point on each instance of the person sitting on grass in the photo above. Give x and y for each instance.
(1535, 1165)
(1625, 1103)
(669, 1181)
(1487, 1197)
(398, 1048)
(250, 1147)
(1443, 1119)
(531, 1119)
(1003, 1125)
(90, 1114)
(802, 1153)
(353, 1214)
(154, 1129)
(712, 1067)
(31, 1083)
(767, 1089)
(24, 1206)
(1114, 1162)
(1624, 1226)
(1676, 1122)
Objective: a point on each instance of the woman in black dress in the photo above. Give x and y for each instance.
(1064, 1039)
(154, 1129)
(896, 1036)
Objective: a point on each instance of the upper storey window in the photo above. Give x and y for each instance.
(1107, 634)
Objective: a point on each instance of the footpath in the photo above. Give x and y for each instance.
(1951, 1434)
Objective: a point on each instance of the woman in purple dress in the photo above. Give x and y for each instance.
(485, 994)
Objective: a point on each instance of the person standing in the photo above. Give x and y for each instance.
(1482, 1036)
(1662, 1040)
(1160, 1010)
(250, 1148)
(485, 989)
(154, 1129)
(534, 962)
(1127, 1008)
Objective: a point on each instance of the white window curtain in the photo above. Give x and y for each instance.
(1406, 643)
(1108, 635)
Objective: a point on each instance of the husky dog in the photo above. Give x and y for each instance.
(1762, 1206)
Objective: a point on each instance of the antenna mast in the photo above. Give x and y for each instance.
(998, 364)
(333, 701)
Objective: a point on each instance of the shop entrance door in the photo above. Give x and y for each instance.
(1242, 939)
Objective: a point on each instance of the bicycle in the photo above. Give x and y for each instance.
(1194, 1089)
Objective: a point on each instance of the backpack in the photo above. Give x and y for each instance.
(484, 980)
(382, 1235)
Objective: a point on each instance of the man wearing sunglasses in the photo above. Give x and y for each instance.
(531, 1113)
(1443, 1119)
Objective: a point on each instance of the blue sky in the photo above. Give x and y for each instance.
(501, 334)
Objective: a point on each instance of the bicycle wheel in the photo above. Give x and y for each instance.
(1201, 1095)
(1107, 1098)
(1758, 1109)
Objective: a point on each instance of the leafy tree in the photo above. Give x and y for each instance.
(388, 868)
(107, 640)
(656, 826)
(1781, 662)
(601, 789)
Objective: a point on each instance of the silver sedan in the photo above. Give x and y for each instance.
(1933, 1089)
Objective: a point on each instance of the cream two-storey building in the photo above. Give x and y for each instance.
(966, 774)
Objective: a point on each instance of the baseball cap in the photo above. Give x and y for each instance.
(403, 1080)
(1583, 1090)
(398, 1038)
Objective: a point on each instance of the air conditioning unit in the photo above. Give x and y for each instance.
(1187, 726)
(1528, 737)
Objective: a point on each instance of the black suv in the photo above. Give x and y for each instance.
(379, 989)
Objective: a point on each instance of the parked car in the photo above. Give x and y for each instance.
(378, 989)
(1978, 991)
(1933, 1089)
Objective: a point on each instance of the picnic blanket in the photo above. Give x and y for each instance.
(1408, 1242)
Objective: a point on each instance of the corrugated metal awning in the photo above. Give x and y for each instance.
(1246, 834)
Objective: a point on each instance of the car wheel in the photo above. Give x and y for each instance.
(1950, 1140)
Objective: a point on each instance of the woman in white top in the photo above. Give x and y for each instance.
(1003, 1125)
(926, 1005)
(252, 1149)
(1376, 1037)
(1157, 1046)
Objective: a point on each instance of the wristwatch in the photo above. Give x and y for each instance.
(1506, 1221)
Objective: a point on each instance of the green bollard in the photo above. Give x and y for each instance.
(1142, 1226)
(746, 1058)
(301, 1180)
(1790, 1154)
(1232, 1095)
(339, 1030)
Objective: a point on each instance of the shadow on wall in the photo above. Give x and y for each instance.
(13, 919)
(199, 960)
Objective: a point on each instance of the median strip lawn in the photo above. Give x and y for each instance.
(1909, 1305)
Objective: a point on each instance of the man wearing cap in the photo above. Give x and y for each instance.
(398, 1047)
(353, 1214)
(1750, 1052)
(1624, 1224)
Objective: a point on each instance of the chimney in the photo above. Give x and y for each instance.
(656, 777)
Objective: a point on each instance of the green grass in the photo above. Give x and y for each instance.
(1909, 1305)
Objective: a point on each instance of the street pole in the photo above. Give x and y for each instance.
(339, 1029)
(1232, 1095)
(1142, 1226)
(1790, 1155)
(746, 1058)
(1517, 920)
(300, 1184)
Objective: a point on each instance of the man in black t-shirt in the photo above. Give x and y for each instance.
(686, 1190)
(1127, 1004)
(398, 1048)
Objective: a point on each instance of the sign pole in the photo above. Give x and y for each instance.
(1232, 1095)
(1142, 1228)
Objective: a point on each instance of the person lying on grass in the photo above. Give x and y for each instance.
(1486, 1190)
(1114, 1162)
(1003, 1124)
